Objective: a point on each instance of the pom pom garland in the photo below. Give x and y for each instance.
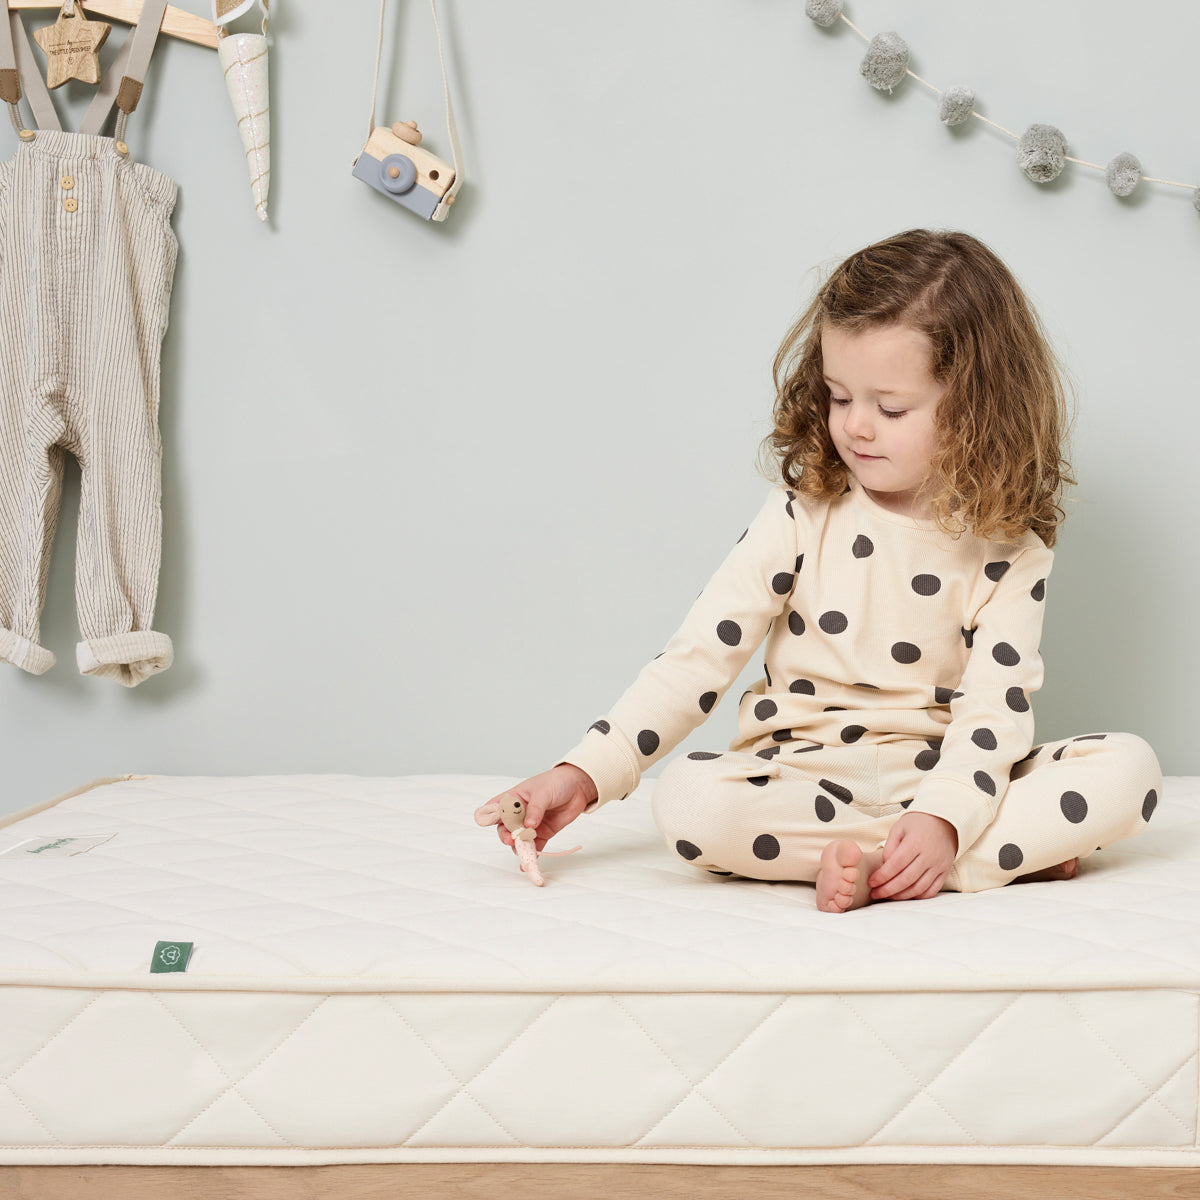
(824, 12)
(1042, 153)
(1123, 174)
(955, 106)
(886, 61)
(1041, 149)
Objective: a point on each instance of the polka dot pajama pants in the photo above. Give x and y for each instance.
(741, 814)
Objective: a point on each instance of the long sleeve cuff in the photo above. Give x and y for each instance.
(965, 809)
(612, 766)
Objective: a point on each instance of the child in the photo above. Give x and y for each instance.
(899, 578)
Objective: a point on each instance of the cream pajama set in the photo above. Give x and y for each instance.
(899, 663)
(87, 256)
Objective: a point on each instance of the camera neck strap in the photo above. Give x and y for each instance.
(451, 128)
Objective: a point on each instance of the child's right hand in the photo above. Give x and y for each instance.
(553, 800)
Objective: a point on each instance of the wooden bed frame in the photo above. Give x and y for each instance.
(492, 1181)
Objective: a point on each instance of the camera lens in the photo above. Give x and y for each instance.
(398, 173)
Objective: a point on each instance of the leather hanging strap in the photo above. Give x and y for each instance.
(123, 83)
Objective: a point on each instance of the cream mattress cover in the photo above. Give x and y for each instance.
(373, 980)
(344, 883)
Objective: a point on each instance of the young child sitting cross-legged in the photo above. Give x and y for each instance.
(898, 577)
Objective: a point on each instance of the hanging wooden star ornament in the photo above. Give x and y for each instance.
(72, 45)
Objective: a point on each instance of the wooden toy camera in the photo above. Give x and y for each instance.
(393, 163)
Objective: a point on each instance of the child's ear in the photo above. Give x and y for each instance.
(488, 814)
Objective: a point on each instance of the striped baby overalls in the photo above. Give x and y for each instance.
(87, 255)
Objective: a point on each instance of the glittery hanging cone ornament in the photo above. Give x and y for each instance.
(244, 61)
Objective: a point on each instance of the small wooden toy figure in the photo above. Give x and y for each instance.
(511, 810)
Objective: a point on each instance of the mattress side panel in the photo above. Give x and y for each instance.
(203, 1077)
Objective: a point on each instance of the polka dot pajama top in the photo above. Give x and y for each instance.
(887, 640)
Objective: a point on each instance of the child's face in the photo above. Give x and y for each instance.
(883, 399)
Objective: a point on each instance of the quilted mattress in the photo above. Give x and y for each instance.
(371, 979)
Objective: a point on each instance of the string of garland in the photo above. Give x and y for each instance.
(1041, 149)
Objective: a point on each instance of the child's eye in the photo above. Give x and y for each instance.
(839, 399)
(893, 413)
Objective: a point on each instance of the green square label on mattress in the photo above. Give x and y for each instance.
(170, 956)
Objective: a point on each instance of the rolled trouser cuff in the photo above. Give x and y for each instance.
(23, 653)
(126, 657)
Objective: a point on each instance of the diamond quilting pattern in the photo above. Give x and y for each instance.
(371, 971)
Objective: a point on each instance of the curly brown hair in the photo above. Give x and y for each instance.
(1002, 421)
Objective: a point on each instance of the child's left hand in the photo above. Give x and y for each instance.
(917, 857)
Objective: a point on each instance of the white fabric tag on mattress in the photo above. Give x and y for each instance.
(57, 845)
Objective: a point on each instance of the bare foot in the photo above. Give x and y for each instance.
(843, 874)
(1064, 870)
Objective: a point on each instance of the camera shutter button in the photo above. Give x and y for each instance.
(398, 173)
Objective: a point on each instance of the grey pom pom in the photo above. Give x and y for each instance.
(1042, 153)
(1123, 174)
(956, 105)
(824, 12)
(886, 61)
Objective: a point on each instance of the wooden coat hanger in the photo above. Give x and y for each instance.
(176, 21)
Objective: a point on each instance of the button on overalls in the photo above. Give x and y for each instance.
(87, 255)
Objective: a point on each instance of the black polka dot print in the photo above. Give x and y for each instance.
(782, 583)
(807, 749)
(985, 739)
(834, 708)
(995, 570)
(945, 695)
(863, 546)
(825, 809)
(707, 701)
(714, 871)
(1038, 591)
(1016, 699)
(1005, 654)
(766, 847)
(928, 759)
(833, 621)
(844, 794)
(768, 753)
(1059, 753)
(767, 673)
(869, 686)
(968, 637)
(730, 632)
(799, 563)
(744, 532)
(1010, 857)
(600, 726)
(1032, 754)
(926, 585)
(853, 732)
(803, 687)
(1074, 807)
(791, 512)
(687, 850)
(647, 742)
(1090, 737)
(796, 623)
(702, 756)
(984, 782)
(906, 652)
(759, 780)
(782, 735)
(906, 803)
(764, 710)
(1149, 804)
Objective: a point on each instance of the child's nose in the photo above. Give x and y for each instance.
(858, 421)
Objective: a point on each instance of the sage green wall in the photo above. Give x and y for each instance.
(433, 494)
